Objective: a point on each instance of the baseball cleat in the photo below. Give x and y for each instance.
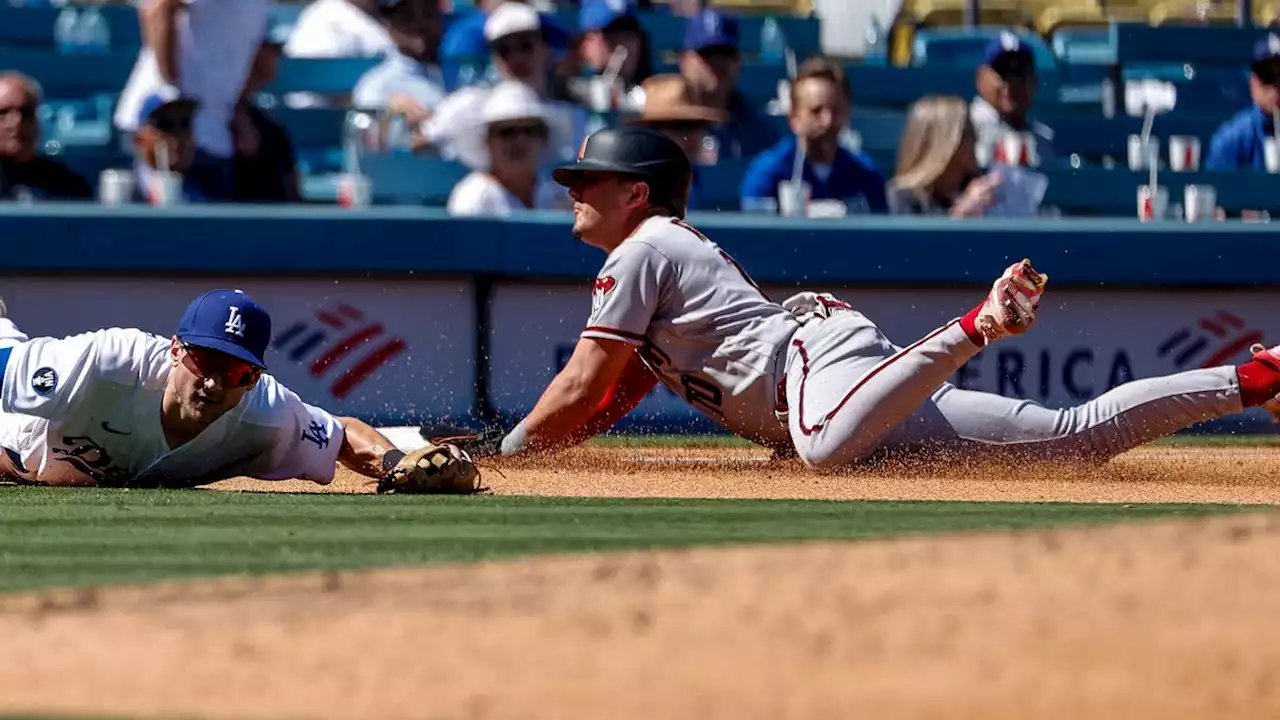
(1010, 308)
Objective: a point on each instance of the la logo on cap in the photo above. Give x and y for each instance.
(618, 6)
(235, 323)
(711, 22)
(1273, 43)
(1009, 41)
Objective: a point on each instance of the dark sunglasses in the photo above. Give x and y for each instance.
(26, 111)
(718, 52)
(232, 372)
(505, 48)
(510, 132)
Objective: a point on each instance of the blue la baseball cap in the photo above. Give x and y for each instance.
(711, 28)
(230, 322)
(1008, 51)
(600, 14)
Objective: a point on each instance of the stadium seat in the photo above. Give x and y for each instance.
(405, 179)
(1189, 12)
(965, 46)
(32, 27)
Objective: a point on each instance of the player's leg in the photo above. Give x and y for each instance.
(1122, 418)
(849, 390)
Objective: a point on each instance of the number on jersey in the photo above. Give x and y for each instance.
(729, 259)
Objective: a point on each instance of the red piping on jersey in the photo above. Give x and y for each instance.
(804, 369)
(613, 331)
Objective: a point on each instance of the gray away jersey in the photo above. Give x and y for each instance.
(87, 407)
(700, 322)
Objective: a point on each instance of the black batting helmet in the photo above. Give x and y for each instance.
(640, 153)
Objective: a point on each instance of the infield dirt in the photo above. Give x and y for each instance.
(1167, 619)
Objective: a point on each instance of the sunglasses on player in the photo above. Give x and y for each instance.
(232, 372)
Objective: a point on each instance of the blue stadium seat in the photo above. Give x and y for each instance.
(1177, 44)
(1099, 192)
(72, 77)
(401, 178)
(964, 47)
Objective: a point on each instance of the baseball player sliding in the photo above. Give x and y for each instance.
(125, 408)
(811, 375)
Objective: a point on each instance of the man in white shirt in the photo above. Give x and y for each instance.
(124, 408)
(1006, 84)
(339, 28)
(198, 49)
(407, 82)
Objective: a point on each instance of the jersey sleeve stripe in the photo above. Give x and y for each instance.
(614, 334)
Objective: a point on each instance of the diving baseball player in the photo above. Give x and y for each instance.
(124, 408)
(812, 374)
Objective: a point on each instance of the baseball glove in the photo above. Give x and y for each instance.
(442, 469)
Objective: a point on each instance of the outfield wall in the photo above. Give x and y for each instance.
(384, 319)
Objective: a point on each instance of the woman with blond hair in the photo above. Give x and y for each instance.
(938, 171)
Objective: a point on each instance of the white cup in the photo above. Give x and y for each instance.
(1142, 154)
(115, 187)
(1271, 154)
(164, 188)
(1184, 153)
(1200, 202)
(354, 191)
(708, 150)
(793, 198)
(1152, 206)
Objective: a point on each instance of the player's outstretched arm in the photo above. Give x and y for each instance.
(363, 448)
(568, 409)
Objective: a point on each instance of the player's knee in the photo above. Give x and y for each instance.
(828, 455)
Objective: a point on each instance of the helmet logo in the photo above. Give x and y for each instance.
(582, 151)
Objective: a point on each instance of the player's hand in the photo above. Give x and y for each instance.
(433, 469)
(978, 196)
(478, 443)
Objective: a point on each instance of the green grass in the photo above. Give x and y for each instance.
(67, 537)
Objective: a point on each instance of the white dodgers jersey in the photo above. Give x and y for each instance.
(86, 410)
(700, 322)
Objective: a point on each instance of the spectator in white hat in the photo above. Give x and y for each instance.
(519, 52)
(506, 151)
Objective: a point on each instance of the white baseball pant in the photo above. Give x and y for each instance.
(851, 392)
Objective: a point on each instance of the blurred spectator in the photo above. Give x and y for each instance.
(610, 29)
(938, 173)
(1006, 90)
(711, 62)
(673, 108)
(506, 151)
(208, 60)
(339, 28)
(165, 142)
(1239, 141)
(464, 51)
(820, 106)
(265, 163)
(20, 166)
(407, 82)
(519, 52)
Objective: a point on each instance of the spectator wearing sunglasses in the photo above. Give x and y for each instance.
(506, 151)
(1006, 84)
(165, 141)
(23, 173)
(711, 62)
(1239, 142)
(407, 82)
(673, 107)
(464, 51)
(519, 52)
